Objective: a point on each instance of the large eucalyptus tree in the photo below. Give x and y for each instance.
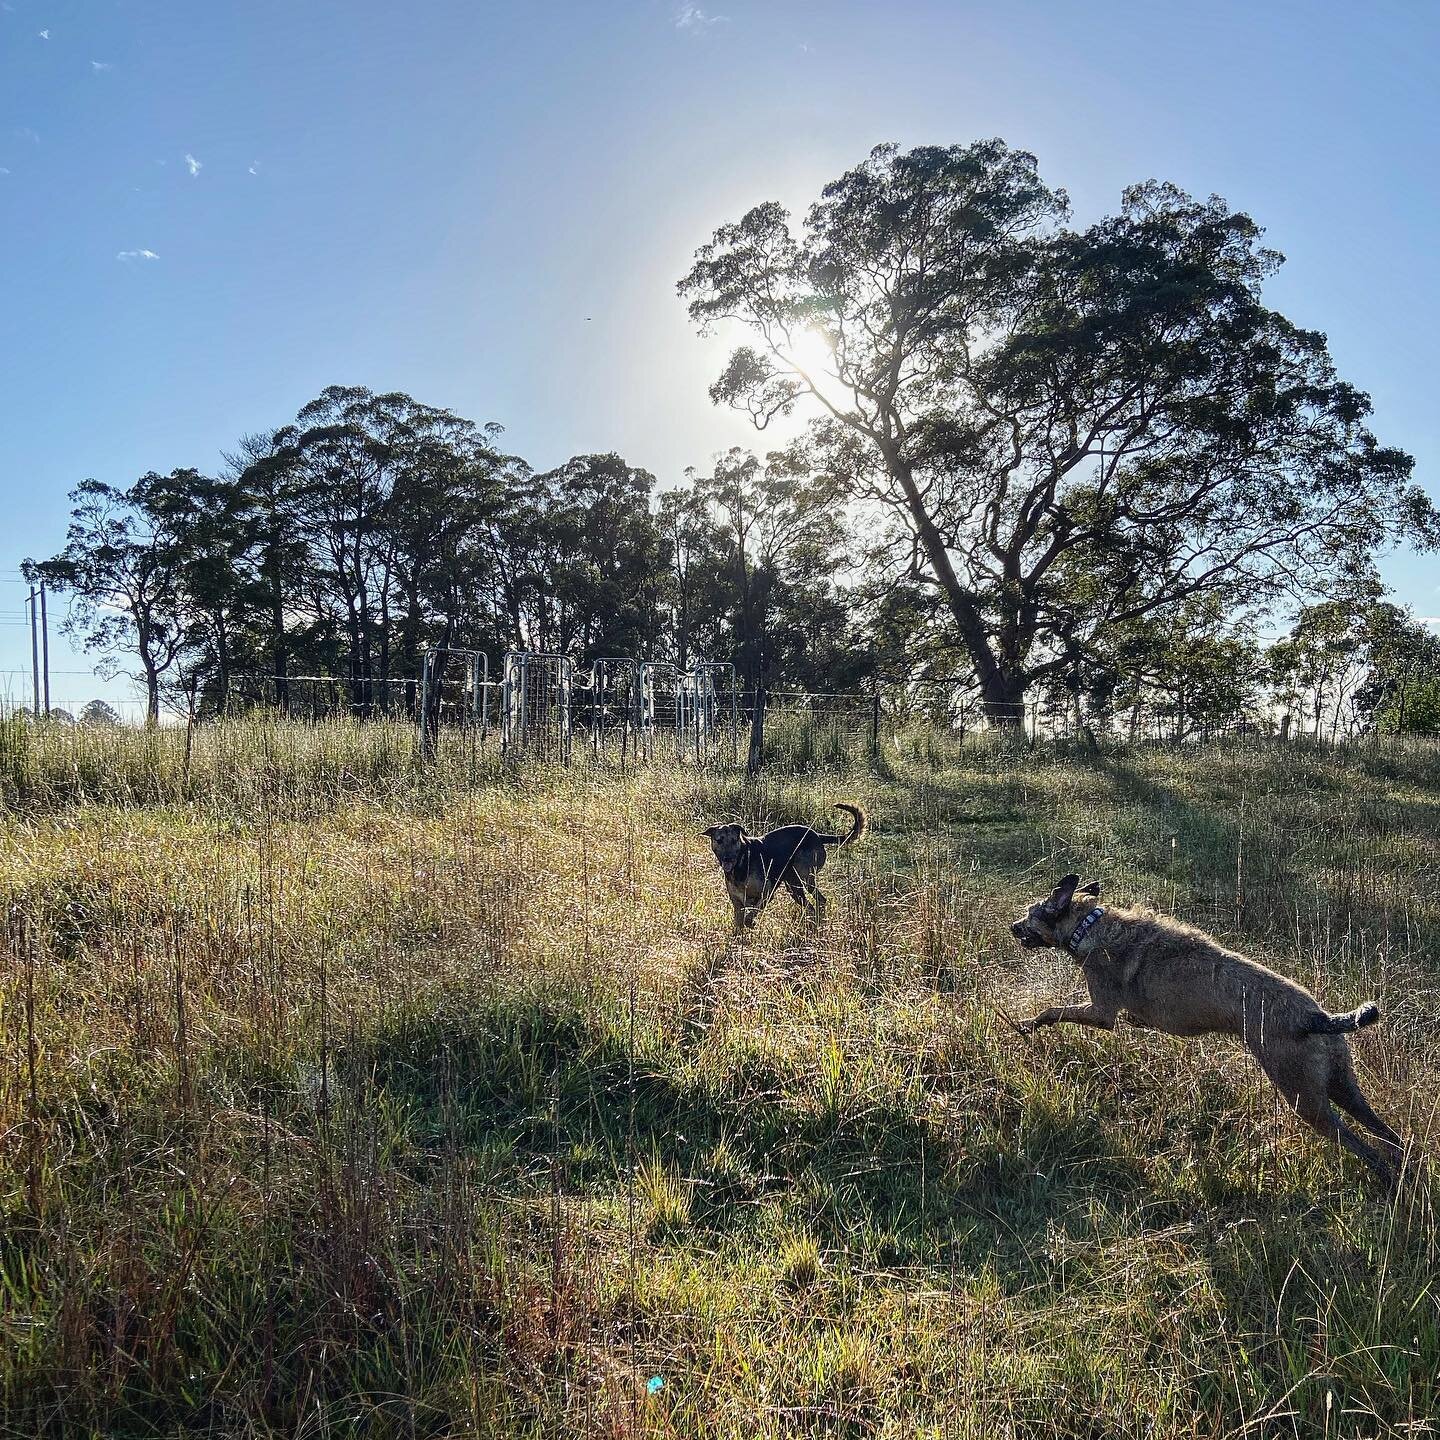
(1069, 428)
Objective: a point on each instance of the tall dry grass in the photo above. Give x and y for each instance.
(342, 1095)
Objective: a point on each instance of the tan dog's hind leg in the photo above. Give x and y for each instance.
(1319, 1116)
(1345, 1092)
(1302, 1077)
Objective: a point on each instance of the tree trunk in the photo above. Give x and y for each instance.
(222, 665)
(278, 656)
(152, 696)
(1002, 698)
(385, 647)
(682, 629)
(352, 632)
(1002, 691)
(367, 657)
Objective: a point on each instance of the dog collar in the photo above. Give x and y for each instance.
(1078, 934)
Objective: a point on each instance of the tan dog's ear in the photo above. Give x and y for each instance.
(1061, 895)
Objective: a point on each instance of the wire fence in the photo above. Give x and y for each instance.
(630, 709)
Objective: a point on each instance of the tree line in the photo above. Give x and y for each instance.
(1076, 466)
(375, 526)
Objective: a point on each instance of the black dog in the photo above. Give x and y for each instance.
(756, 865)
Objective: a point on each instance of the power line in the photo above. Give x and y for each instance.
(90, 674)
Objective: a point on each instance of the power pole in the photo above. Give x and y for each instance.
(34, 651)
(45, 647)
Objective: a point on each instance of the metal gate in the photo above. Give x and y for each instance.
(708, 714)
(657, 702)
(614, 715)
(535, 701)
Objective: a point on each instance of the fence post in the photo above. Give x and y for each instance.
(427, 682)
(757, 729)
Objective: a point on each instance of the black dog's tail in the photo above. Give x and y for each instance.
(1357, 1019)
(861, 825)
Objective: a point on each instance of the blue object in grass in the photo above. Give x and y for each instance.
(654, 1385)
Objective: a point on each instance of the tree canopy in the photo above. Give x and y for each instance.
(344, 544)
(1068, 429)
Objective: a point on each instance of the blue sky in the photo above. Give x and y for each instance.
(434, 196)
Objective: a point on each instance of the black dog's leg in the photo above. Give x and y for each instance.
(798, 895)
(817, 895)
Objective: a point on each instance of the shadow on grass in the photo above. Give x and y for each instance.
(1288, 853)
(552, 1097)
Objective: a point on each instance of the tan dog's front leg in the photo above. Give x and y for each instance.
(1092, 1014)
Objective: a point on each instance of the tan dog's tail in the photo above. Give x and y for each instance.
(861, 825)
(1357, 1019)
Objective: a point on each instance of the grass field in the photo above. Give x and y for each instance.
(343, 1097)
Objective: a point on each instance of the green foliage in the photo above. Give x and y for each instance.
(1411, 707)
(99, 712)
(776, 540)
(1355, 664)
(1199, 670)
(345, 544)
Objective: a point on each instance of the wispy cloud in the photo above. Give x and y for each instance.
(193, 165)
(1428, 619)
(692, 17)
(3, 170)
(44, 34)
(254, 167)
(98, 65)
(26, 133)
(137, 255)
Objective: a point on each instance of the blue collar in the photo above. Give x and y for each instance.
(1078, 934)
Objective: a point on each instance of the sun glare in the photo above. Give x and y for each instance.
(810, 351)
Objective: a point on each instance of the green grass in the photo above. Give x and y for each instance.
(341, 1096)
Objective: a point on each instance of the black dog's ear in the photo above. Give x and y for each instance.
(1061, 895)
(1090, 887)
(709, 831)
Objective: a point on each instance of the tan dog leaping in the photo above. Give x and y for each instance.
(1169, 976)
